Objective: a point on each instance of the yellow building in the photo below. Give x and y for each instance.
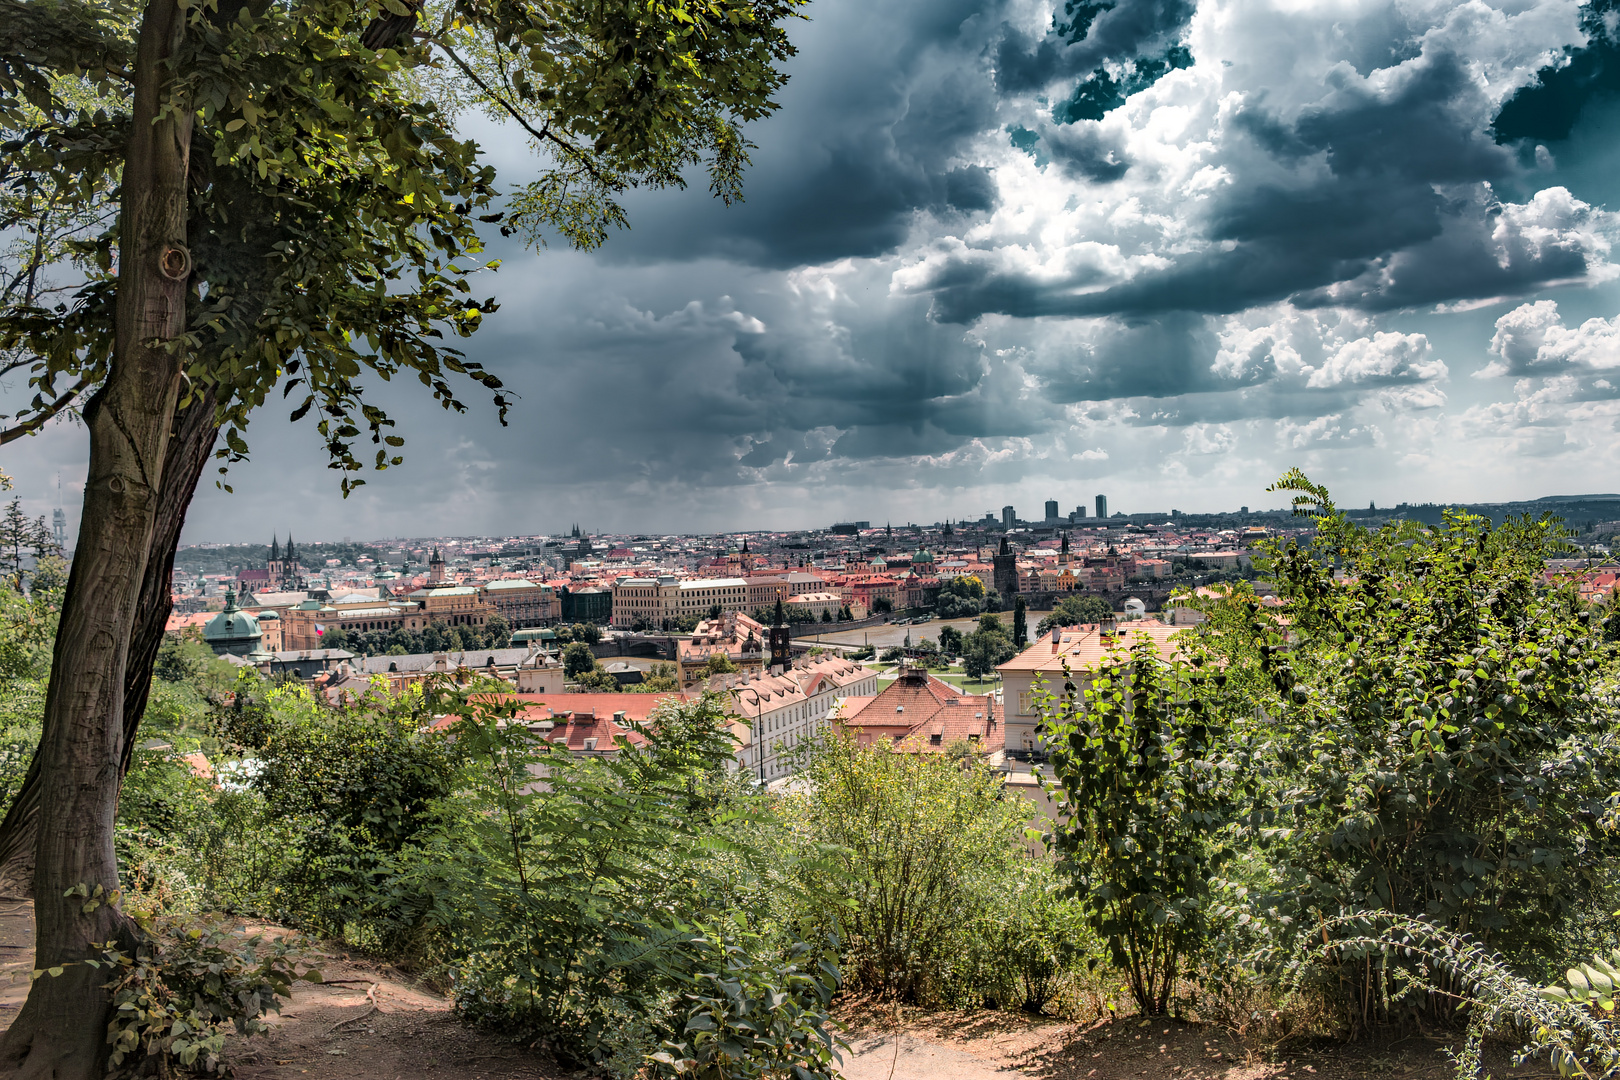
(661, 600)
(1083, 649)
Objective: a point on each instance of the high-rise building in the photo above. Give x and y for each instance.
(1051, 510)
(1102, 506)
(1008, 518)
(1079, 512)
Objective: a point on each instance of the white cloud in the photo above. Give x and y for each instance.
(1532, 339)
(1384, 357)
(1209, 439)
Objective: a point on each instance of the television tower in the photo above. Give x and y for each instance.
(59, 519)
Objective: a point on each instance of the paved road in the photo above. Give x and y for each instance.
(882, 637)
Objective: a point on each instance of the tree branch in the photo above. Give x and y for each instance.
(53, 410)
(543, 134)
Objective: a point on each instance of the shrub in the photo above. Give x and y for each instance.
(917, 849)
(1439, 729)
(1142, 792)
(574, 893)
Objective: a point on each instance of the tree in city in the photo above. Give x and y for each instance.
(950, 641)
(497, 633)
(826, 615)
(1076, 611)
(661, 678)
(1020, 623)
(720, 664)
(588, 632)
(285, 206)
(882, 605)
(987, 647)
(20, 536)
(959, 597)
(577, 659)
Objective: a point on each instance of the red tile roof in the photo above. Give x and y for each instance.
(920, 713)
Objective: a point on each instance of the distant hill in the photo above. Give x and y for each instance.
(230, 558)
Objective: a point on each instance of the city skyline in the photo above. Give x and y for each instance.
(952, 286)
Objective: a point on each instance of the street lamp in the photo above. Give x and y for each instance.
(759, 738)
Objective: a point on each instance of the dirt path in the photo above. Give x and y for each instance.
(983, 1045)
(375, 1024)
(378, 1024)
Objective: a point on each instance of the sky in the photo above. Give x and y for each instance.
(1001, 251)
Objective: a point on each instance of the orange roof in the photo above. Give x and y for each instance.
(920, 712)
(178, 622)
(1089, 645)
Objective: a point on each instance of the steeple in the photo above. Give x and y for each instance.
(275, 549)
(291, 557)
(1065, 543)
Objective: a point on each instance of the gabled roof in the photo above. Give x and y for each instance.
(1089, 646)
(919, 712)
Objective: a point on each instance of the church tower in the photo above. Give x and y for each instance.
(436, 569)
(1006, 569)
(1063, 555)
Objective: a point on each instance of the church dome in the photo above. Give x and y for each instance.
(232, 630)
(922, 556)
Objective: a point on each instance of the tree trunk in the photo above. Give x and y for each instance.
(189, 450)
(61, 1030)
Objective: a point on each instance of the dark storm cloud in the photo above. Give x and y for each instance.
(1090, 35)
(883, 102)
(1548, 108)
(1083, 151)
(1396, 219)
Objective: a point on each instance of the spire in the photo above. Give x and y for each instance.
(275, 549)
(1065, 543)
(291, 557)
(1005, 548)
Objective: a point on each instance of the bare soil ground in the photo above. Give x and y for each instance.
(986, 1045)
(377, 1023)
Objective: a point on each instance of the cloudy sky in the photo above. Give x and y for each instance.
(999, 251)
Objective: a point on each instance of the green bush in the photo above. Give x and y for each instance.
(1143, 789)
(914, 851)
(575, 896)
(185, 985)
(1438, 726)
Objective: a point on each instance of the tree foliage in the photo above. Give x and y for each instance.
(1076, 611)
(1146, 779)
(1439, 723)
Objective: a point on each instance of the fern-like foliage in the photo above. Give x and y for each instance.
(1570, 1025)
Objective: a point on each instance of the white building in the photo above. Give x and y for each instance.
(781, 711)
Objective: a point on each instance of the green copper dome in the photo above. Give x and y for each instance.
(922, 556)
(232, 630)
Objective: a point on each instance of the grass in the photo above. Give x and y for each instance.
(972, 686)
